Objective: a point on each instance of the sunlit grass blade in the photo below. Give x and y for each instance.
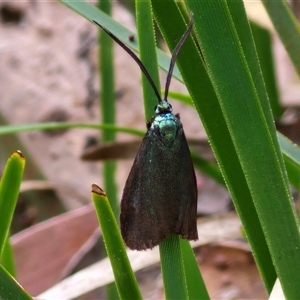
(9, 191)
(124, 277)
(237, 13)
(7, 259)
(287, 27)
(249, 121)
(170, 250)
(10, 289)
(8, 129)
(172, 268)
(186, 99)
(148, 56)
(107, 105)
(194, 281)
(263, 43)
(291, 155)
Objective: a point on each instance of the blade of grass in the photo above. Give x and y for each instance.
(287, 27)
(195, 284)
(9, 191)
(107, 104)
(7, 259)
(291, 155)
(241, 25)
(50, 126)
(172, 268)
(170, 251)
(124, 277)
(10, 288)
(248, 123)
(147, 50)
(263, 43)
(107, 112)
(208, 108)
(186, 99)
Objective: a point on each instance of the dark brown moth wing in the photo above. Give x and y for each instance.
(160, 195)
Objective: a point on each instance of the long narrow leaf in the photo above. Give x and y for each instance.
(50, 126)
(147, 50)
(9, 190)
(263, 43)
(173, 269)
(291, 155)
(287, 27)
(10, 288)
(237, 14)
(124, 277)
(107, 106)
(195, 284)
(7, 260)
(170, 250)
(248, 123)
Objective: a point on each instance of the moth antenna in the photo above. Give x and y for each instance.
(175, 54)
(134, 56)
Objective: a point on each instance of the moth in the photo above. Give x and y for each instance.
(160, 194)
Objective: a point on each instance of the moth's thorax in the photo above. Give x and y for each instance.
(166, 126)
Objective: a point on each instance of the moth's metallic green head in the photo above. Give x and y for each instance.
(163, 107)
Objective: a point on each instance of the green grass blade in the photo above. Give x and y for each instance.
(7, 260)
(107, 95)
(291, 155)
(186, 99)
(107, 106)
(170, 251)
(124, 277)
(263, 43)
(147, 50)
(287, 27)
(248, 123)
(172, 268)
(195, 284)
(241, 25)
(208, 108)
(50, 126)
(9, 191)
(10, 289)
